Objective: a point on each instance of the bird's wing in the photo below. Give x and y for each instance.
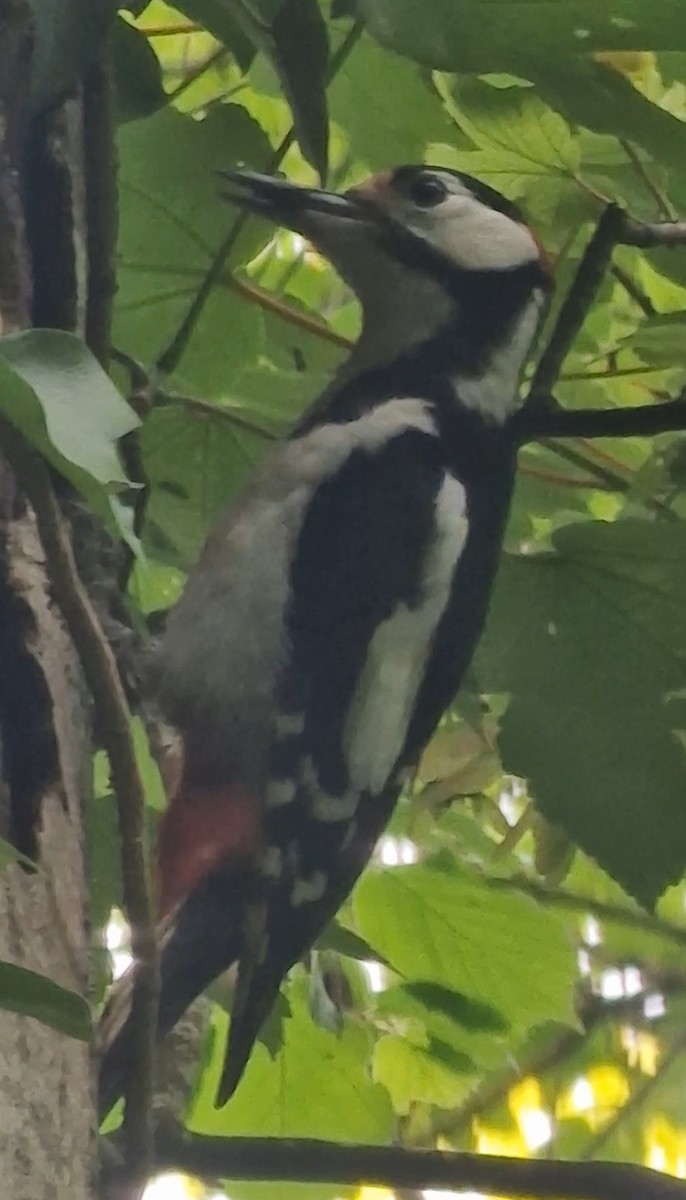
(370, 578)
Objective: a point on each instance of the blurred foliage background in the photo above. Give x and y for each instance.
(510, 975)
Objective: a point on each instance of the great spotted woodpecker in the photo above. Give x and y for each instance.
(336, 605)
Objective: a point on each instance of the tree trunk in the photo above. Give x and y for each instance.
(47, 1111)
(46, 1107)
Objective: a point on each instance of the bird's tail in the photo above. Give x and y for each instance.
(200, 941)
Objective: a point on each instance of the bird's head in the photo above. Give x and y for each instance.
(441, 263)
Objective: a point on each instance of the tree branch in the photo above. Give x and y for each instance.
(534, 423)
(647, 235)
(311, 1161)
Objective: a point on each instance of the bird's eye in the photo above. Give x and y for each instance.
(427, 191)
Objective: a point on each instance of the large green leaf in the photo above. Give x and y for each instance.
(590, 641)
(300, 54)
(387, 111)
(55, 391)
(34, 995)
(318, 1085)
(445, 927)
(517, 138)
(592, 94)
(219, 19)
(172, 222)
(292, 35)
(499, 35)
(414, 1073)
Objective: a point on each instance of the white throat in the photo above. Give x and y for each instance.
(395, 317)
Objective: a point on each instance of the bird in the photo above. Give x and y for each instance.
(337, 602)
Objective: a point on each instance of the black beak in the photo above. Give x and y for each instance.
(304, 210)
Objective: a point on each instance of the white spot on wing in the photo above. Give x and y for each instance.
(290, 725)
(325, 806)
(384, 699)
(272, 862)
(280, 792)
(306, 891)
(328, 808)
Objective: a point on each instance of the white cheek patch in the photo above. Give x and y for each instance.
(384, 699)
(479, 238)
(469, 233)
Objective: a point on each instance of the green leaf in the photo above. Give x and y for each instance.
(55, 391)
(344, 941)
(194, 463)
(521, 146)
(317, 1086)
(387, 110)
(137, 76)
(416, 1074)
(300, 56)
(172, 222)
(659, 340)
(34, 995)
(104, 860)
(444, 1006)
(500, 35)
(292, 35)
(594, 95)
(448, 928)
(591, 643)
(219, 20)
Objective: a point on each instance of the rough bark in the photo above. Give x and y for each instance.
(46, 1105)
(47, 1110)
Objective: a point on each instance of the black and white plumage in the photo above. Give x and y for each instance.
(337, 604)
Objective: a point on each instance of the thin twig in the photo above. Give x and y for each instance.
(310, 1161)
(647, 235)
(542, 1057)
(610, 373)
(609, 477)
(197, 72)
(113, 722)
(151, 31)
(279, 308)
(577, 902)
(663, 205)
(632, 289)
(565, 481)
(205, 408)
(577, 302)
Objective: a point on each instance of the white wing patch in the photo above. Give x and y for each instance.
(384, 699)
